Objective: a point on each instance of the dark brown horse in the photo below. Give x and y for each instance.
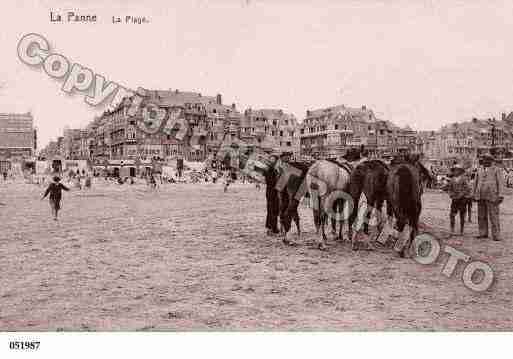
(404, 192)
(369, 178)
(292, 188)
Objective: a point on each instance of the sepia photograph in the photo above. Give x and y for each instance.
(254, 166)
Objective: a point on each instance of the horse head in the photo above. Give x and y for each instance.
(352, 155)
(425, 175)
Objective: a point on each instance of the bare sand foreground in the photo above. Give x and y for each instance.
(190, 257)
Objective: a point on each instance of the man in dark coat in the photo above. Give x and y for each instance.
(271, 195)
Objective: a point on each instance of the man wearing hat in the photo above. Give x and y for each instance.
(488, 192)
(286, 156)
(458, 190)
(271, 195)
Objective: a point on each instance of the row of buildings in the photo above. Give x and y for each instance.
(119, 135)
(469, 140)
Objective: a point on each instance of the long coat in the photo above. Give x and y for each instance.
(489, 184)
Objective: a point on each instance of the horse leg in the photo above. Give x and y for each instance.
(414, 220)
(371, 202)
(390, 211)
(401, 224)
(317, 221)
(296, 220)
(334, 221)
(352, 217)
(322, 243)
(355, 196)
(381, 217)
(316, 210)
(341, 220)
(333, 227)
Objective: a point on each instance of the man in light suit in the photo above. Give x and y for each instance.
(488, 192)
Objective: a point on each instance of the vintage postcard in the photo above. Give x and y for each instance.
(255, 165)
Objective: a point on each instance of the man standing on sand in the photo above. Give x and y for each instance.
(488, 192)
(458, 190)
(271, 196)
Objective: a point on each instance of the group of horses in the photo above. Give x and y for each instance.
(335, 186)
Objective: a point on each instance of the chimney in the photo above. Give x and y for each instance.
(219, 99)
(233, 106)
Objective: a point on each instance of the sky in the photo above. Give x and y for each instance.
(417, 63)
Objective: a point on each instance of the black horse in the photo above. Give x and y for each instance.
(291, 191)
(405, 183)
(369, 178)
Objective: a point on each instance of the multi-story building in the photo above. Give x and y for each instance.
(403, 140)
(117, 135)
(18, 138)
(51, 150)
(474, 138)
(72, 143)
(427, 144)
(223, 124)
(270, 129)
(329, 132)
(467, 140)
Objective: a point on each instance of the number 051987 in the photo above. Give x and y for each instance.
(17, 345)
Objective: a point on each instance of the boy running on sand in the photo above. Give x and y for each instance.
(55, 190)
